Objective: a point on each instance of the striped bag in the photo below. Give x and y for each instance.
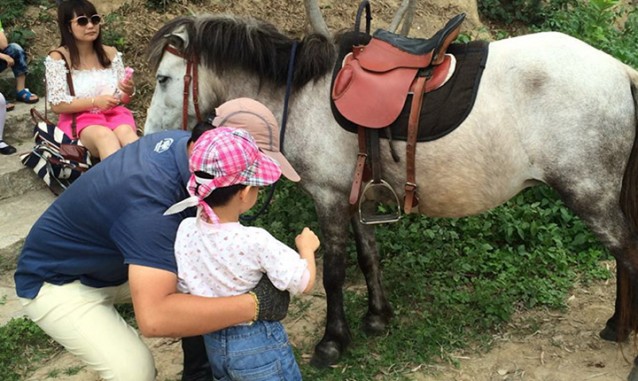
(55, 158)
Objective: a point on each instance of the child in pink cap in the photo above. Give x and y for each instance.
(217, 256)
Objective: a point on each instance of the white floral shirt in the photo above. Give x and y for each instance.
(86, 83)
(229, 259)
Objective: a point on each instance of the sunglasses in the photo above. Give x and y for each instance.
(84, 21)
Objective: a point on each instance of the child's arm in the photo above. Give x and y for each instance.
(307, 243)
(4, 42)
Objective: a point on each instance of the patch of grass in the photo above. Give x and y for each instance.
(452, 282)
(23, 345)
(72, 371)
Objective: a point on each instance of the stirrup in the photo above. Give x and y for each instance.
(370, 217)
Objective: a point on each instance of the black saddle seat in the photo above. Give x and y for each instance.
(419, 46)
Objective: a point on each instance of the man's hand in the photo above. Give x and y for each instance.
(273, 303)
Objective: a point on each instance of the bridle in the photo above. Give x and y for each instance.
(190, 79)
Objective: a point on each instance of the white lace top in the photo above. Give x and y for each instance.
(87, 83)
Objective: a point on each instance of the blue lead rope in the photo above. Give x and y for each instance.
(282, 132)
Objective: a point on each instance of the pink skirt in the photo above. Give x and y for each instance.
(111, 119)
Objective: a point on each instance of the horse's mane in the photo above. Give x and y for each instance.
(223, 42)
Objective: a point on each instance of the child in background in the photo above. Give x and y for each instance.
(13, 56)
(217, 256)
(5, 149)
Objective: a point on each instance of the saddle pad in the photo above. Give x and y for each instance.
(443, 109)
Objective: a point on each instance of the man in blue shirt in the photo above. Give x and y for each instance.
(105, 241)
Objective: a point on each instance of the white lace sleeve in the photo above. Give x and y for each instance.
(118, 66)
(57, 87)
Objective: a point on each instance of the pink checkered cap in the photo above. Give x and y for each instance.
(230, 156)
(257, 119)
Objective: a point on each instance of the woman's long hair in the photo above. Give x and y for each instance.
(67, 10)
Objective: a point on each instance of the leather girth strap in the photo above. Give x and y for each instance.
(418, 88)
(359, 167)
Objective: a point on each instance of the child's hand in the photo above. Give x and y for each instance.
(307, 240)
(7, 58)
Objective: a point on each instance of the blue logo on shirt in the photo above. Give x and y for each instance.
(163, 145)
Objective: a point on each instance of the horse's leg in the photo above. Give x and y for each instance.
(614, 219)
(334, 217)
(379, 309)
(611, 332)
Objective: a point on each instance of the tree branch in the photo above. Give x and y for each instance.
(318, 24)
(405, 13)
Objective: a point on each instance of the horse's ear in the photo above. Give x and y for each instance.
(178, 38)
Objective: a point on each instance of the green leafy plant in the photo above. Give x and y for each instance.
(605, 24)
(11, 11)
(22, 346)
(507, 11)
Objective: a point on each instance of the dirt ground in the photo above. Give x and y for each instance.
(559, 347)
(535, 346)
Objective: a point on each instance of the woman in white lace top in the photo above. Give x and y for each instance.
(103, 124)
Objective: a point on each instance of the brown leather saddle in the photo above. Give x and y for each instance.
(371, 89)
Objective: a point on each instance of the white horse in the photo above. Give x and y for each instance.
(550, 109)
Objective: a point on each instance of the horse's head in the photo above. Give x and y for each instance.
(172, 53)
(237, 57)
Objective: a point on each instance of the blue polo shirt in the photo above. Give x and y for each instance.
(111, 216)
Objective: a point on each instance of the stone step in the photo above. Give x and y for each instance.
(15, 178)
(17, 215)
(19, 125)
(10, 307)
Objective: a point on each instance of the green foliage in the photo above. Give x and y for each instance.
(452, 282)
(35, 79)
(22, 346)
(11, 10)
(164, 5)
(113, 36)
(21, 36)
(604, 24)
(508, 11)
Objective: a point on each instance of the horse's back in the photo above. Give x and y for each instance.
(550, 109)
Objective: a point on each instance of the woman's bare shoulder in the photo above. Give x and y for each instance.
(110, 51)
(59, 53)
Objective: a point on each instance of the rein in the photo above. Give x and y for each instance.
(190, 77)
(282, 131)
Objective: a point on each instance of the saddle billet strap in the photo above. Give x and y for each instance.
(410, 199)
(359, 167)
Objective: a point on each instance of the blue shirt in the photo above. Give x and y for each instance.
(111, 216)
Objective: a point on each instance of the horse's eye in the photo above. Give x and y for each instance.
(162, 79)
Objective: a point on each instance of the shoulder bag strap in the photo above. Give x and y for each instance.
(69, 81)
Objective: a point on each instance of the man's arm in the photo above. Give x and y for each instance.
(161, 311)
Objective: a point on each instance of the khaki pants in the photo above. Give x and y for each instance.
(84, 320)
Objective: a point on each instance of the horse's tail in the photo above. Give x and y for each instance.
(629, 189)
(628, 290)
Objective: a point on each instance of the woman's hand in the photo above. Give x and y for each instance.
(105, 102)
(127, 86)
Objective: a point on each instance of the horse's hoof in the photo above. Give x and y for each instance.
(608, 333)
(375, 324)
(326, 354)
